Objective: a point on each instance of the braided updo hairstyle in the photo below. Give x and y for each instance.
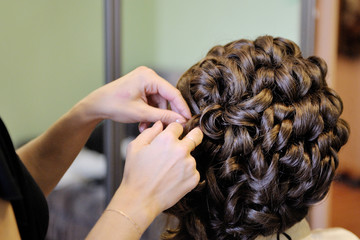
(271, 136)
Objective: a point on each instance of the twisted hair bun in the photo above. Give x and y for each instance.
(271, 135)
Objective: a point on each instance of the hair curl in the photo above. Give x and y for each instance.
(271, 135)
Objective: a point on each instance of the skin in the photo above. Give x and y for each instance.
(159, 169)
(145, 193)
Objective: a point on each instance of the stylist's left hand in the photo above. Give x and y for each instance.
(159, 171)
(139, 96)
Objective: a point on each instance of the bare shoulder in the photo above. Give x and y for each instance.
(8, 226)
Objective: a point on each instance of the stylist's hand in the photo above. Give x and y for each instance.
(159, 171)
(139, 96)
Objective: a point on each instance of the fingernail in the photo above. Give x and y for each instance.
(181, 121)
(157, 123)
(141, 127)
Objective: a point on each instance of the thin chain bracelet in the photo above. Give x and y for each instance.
(128, 218)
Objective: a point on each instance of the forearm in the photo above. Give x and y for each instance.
(48, 156)
(124, 100)
(127, 216)
(113, 226)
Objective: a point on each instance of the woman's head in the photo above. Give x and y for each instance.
(271, 135)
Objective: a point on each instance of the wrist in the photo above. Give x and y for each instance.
(135, 205)
(83, 111)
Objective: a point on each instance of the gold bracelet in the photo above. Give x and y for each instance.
(128, 218)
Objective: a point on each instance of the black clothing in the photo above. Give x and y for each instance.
(18, 187)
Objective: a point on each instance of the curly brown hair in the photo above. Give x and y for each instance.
(271, 136)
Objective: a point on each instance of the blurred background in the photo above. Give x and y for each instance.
(52, 54)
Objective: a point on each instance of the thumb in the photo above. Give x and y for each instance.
(164, 115)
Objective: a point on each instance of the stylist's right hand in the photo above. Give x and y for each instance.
(159, 169)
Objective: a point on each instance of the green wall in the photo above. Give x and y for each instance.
(51, 52)
(174, 34)
(51, 55)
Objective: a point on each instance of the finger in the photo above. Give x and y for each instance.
(157, 101)
(170, 93)
(142, 126)
(154, 114)
(173, 128)
(174, 108)
(148, 135)
(177, 102)
(193, 138)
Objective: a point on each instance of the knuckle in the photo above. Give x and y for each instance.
(144, 71)
(192, 164)
(195, 179)
(188, 165)
(142, 68)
